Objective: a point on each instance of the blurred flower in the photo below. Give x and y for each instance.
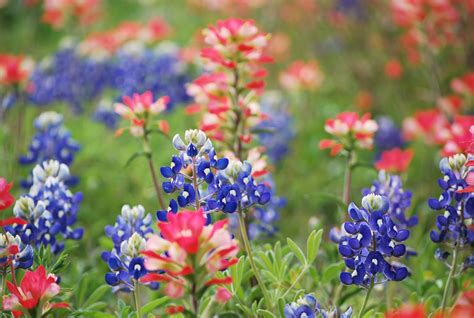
(14, 69)
(407, 311)
(464, 85)
(50, 209)
(363, 100)
(393, 69)
(351, 132)
(190, 253)
(395, 160)
(371, 244)
(138, 110)
(464, 306)
(222, 295)
(277, 131)
(302, 75)
(6, 198)
(57, 12)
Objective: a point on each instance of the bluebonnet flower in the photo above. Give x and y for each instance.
(129, 235)
(69, 78)
(73, 79)
(278, 130)
(371, 242)
(52, 141)
(262, 218)
(354, 8)
(22, 258)
(49, 207)
(456, 204)
(203, 180)
(309, 307)
(388, 136)
(399, 200)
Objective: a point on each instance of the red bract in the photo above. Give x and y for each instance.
(351, 132)
(464, 306)
(393, 69)
(464, 84)
(6, 199)
(233, 42)
(188, 246)
(395, 160)
(36, 289)
(407, 311)
(139, 111)
(14, 69)
(302, 75)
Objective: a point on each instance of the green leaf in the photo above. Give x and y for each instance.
(281, 306)
(265, 313)
(96, 295)
(332, 272)
(312, 245)
(152, 305)
(369, 314)
(82, 290)
(296, 250)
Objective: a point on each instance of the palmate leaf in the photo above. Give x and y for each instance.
(296, 250)
(312, 245)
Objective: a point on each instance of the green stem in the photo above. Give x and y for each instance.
(248, 250)
(346, 195)
(151, 166)
(447, 287)
(300, 275)
(366, 300)
(136, 298)
(195, 185)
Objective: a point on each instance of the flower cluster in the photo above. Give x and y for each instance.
(434, 127)
(351, 132)
(57, 12)
(34, 294)
(190, 253)
(50, 208)
(456, 205)
(399, 200)
(203, 180)
(227, 94)
(372, 241)
(427, 24)
(52, 141)
(308, 306)
(14, 69)
(139, 110)
(129, 235)
(301, 76)
(75, 79)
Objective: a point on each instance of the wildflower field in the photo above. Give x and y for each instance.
(237, 158)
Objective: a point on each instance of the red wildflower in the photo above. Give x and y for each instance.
(393, 69)
(302, 75)
(407, 311)
(36, 289)
(14, 69)
(395, 160)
